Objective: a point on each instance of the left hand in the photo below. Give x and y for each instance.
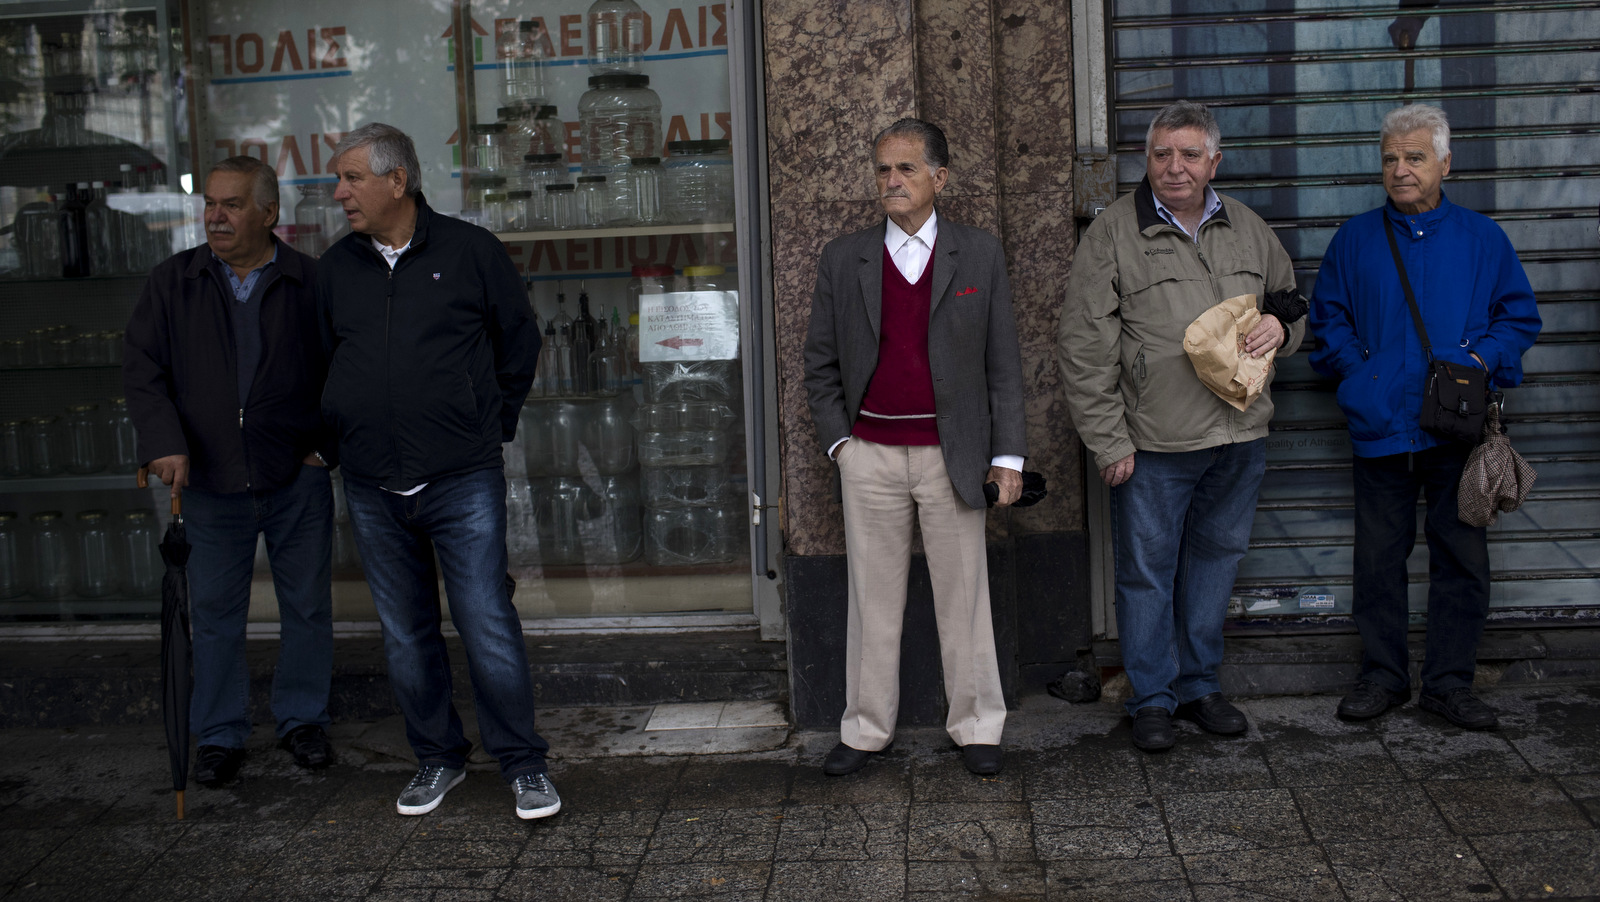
(1010, 483)
(312, 460)
(1267, 335)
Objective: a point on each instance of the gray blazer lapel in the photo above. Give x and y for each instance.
(872, 283)
(944, 267)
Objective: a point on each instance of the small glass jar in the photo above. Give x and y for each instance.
(13, 542)
(111, 347)
(489, 143)
(493, 208)
(86, 444)
(87, 349)
(642, 197)
(122, 445)
(560, 203)
(13, 353)
(58, 352)
(36, 347)
(47, 446)
(592, 202)
(95, 570)
(51, 556)
(707, 277)
(699, 181)
(15, 461)
(518, 208)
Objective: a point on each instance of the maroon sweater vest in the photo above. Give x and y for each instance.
(901, 390)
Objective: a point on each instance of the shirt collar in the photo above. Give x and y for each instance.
(1213, 204)
(894, 236)
(225, 265)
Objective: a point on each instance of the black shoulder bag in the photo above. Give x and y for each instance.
(1456, 396)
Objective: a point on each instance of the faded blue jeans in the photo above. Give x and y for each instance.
(1180, 524)
(457, 526)
(297, 521)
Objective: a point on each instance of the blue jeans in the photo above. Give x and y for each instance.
(297, 521)
(456, 525)
(1458, 569)
(1180, 524)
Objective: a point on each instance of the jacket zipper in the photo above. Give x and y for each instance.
(388, 382)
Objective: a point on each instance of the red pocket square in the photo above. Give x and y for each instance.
(966, 291)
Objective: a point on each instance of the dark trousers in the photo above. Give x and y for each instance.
(1458, 572)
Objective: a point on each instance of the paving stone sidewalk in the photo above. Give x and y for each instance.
(1304, 807)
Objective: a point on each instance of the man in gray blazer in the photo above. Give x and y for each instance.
(915, 383)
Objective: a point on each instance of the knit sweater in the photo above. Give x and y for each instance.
(899, 408)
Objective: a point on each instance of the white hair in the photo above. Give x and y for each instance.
(1415, 117)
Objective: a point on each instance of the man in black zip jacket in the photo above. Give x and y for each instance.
(222, 367)
(432, 347)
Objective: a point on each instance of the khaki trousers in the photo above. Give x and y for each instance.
(884, 486)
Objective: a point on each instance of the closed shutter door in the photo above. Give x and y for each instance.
(1300, 90)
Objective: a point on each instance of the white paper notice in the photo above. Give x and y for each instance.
(689, 325)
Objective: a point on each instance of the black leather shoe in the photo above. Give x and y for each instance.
(1152, 729)
(983, 760)
(1368, 700)
(309, 745)
(845, 759)
(215, 765)
(1460, 707)
(1215, 714)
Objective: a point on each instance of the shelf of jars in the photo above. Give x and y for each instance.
(644, 231)
(93, 482)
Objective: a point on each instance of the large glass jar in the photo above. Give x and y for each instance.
(86, 442)
(47, 446)
(122, 446)
(620, 118)
(549, 134)
(699, 181)
(617, 39)
(518, 120)
(139, 554)
(613, 533)
(12, 545)
(95, 570)
(51, 556)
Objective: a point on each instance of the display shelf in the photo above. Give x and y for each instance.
(114, 277)
(87, 483)
(57, 367)
(694, 228)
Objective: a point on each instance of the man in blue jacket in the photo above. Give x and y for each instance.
(432, 351)
(223, 365)
(1478, 310)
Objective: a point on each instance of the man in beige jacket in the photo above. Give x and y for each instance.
(1183, 465)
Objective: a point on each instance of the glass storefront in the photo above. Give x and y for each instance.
(595, 139)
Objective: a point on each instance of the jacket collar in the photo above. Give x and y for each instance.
(1429, 220)
(288, 262)
(1144, 204)
(419, 233)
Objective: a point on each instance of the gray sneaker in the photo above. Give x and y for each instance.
(536, 796)
(426, 790)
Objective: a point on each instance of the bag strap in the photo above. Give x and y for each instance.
(1405, 285)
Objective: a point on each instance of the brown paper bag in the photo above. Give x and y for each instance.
(1215, 343)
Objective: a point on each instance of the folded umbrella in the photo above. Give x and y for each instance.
(1495, 479)
(177, 649)
(1033, 490)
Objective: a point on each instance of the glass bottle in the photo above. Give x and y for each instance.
(308, 238)
(564, 370)
(86, 448)
(139, 555)
(122, 451)
(12, 544)
(96, 568)
(536, 50)
(51, 556)
(507, 56)
(583, 338)
(616, 37)
(73, 229)
(544, 373)
(102, 224)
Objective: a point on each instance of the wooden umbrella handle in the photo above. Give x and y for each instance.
(143, 480)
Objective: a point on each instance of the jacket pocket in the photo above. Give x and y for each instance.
(1373, 397)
